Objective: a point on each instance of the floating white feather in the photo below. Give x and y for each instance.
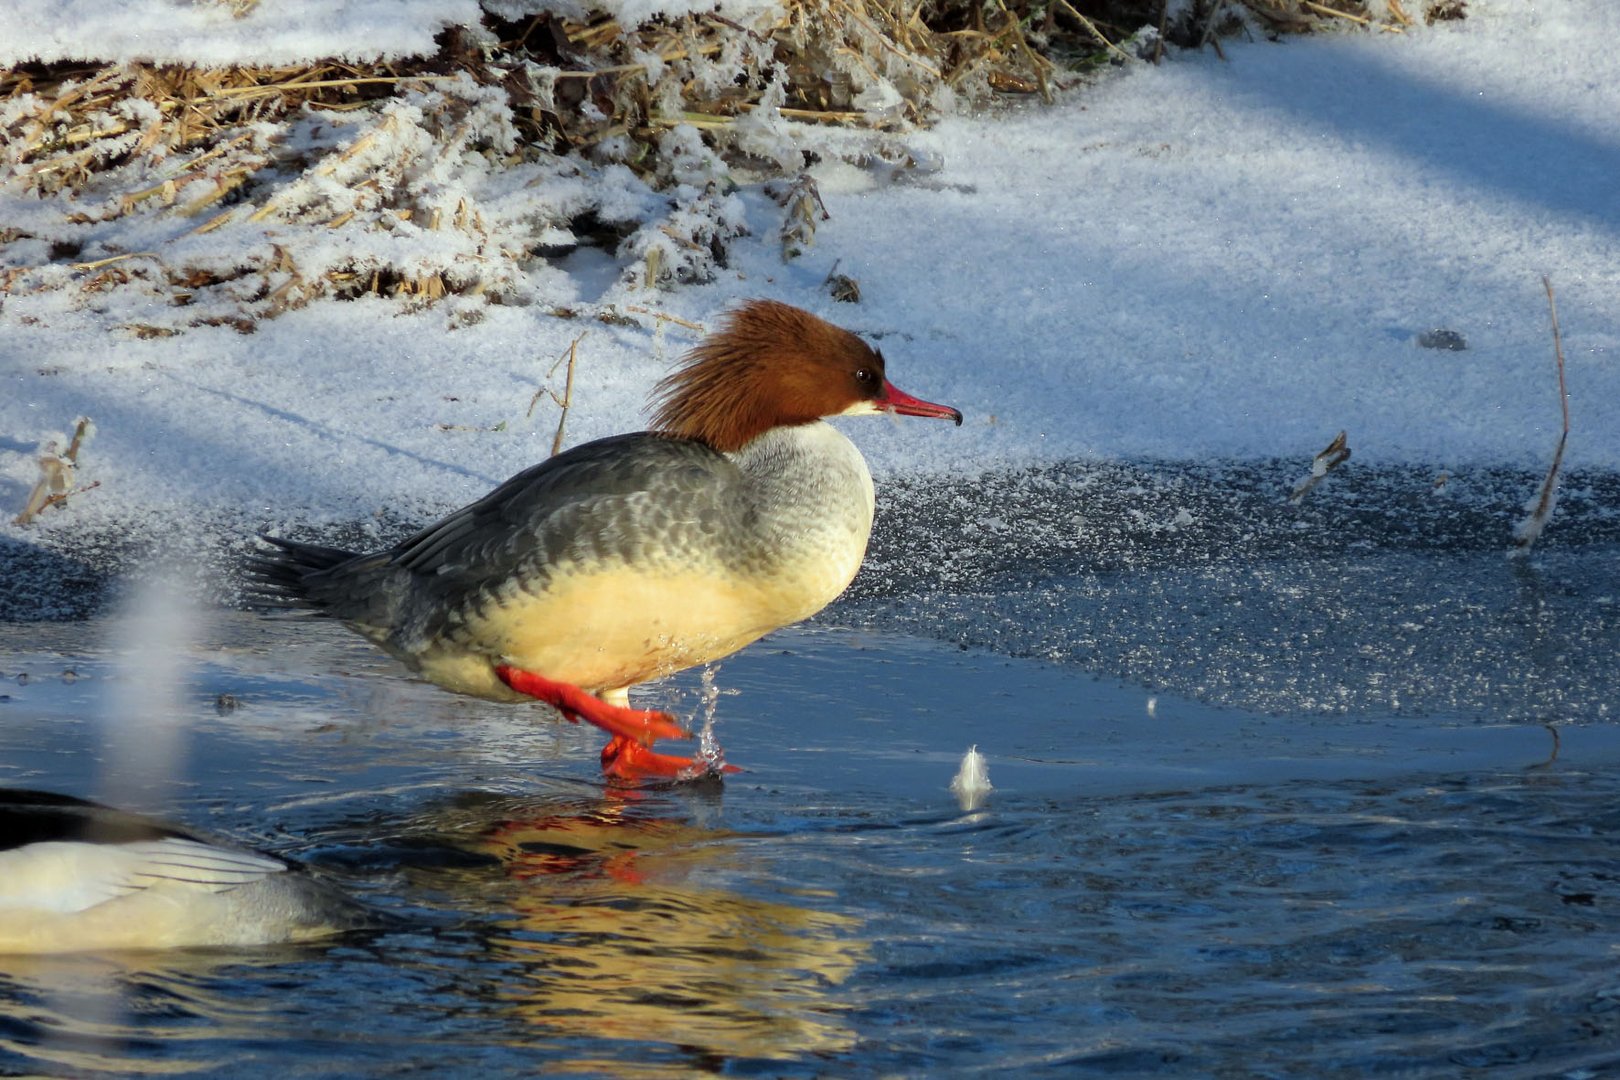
(972, 781)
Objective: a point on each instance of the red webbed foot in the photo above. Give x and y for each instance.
(629, 754)
(628, 759)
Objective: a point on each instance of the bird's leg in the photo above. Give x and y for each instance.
(642, 726)
(628, 754)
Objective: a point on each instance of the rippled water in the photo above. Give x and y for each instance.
(1187, 888)
(1345, 813)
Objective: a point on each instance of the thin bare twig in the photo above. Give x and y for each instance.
(1209, 27)
(567, 399)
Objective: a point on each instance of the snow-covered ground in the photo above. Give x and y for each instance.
(1200, 260)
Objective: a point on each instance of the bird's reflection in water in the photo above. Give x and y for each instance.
(623, 927)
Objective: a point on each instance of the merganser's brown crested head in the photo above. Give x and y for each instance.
(775, 365)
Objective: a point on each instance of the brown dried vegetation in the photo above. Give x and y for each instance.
(360, 151)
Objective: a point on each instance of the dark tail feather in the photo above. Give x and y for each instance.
(281, 577)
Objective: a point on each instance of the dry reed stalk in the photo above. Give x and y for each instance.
(65, 102)
(1528, 531)
(240, 93)
(1336, 453)
(567, 400)
(886, 43)
(665, 317)
(1360, 20)
(223, 186)
(1279, 18)
(698, 120)
(1102, 39)
(213, 223)
(97, 264)
(824, 116)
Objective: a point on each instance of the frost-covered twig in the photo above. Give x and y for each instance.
(1541, 507)
(56, 473)
(1336, 453)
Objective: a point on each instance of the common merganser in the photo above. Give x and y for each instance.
(77, 876)
(631, 557)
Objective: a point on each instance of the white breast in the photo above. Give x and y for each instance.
(814, 503)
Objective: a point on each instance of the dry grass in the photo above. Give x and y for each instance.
(75, 122)
(246, 157)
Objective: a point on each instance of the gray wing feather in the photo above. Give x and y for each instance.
(602, 499)
(627, 498)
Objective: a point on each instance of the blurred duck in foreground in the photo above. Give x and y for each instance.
(635, 556)
(76, 876)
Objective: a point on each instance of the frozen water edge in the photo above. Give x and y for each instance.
(1379, 595)
(1000, 529)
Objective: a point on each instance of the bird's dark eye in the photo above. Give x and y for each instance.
(866, 376)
